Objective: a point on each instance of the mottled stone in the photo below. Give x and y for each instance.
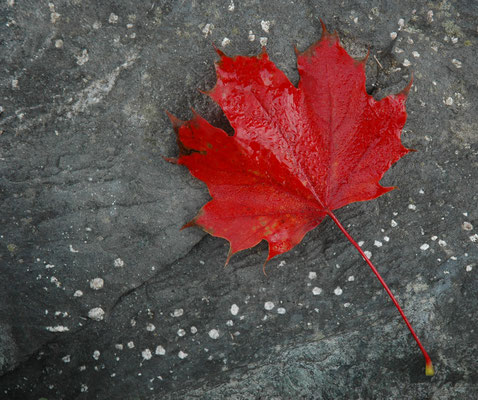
(85, 193)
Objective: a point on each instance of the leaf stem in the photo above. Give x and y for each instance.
(429, 371)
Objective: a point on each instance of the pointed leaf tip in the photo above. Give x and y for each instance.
(229, 254)
(325, 32)
(404, 92)
(264, 267)
(218, 51)
(364, 59)
(172, 160)
(189, 224)
(175, 121)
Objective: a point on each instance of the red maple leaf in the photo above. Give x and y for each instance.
(297, 153)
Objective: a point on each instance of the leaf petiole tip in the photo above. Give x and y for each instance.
(429, 370)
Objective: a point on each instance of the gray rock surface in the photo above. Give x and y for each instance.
(85, 194)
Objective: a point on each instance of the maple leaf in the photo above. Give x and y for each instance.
(297, 153)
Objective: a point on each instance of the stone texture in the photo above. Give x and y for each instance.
(85, 194)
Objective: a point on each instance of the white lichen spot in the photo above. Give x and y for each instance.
(55, 280)
(57, 329)
(146, 354)
(316, 291)
(351, 278)
(415, 54)
(251, 36)
(78, 293)
(10, 3)
(193, 330)
(377, 243)
(338, 291)
(83, 57)
(97, 283)
(58, 43)
(393, 35)
(160, 351)
(386, 239)
(430, 16)
(54, 16)
(83, 388)
(207, 30)
(468, 268)
(347, 305)
(441, 243)
(281, 310)
(96, 314)
(231, 6)
(234, 309)
(474, 238)
(282, 263)
(449, 101)
(312, 275)
(66, 359)
(263, 41)
(226, 41)
(356, 20)
(406, 62)
(393, 223)
(72, 249)
(118, 262)
(213, 334)
(368, 253)
(96, 25)
(412, 207)
(410, 41)
(113, 18)
(96, 355)
(424, 246)
(129, 26)
(398, 50)
(63, 314)
(466, 226)
(421, 191)
(130, 345)
(150, 327)
(230, 322)
(177, 312)
(269, 305)
(181, 332)
(361, 243)
(182, 355)
(118, 346)
(401, 23)
(456, 63)
(454, 40)
(266, 25)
